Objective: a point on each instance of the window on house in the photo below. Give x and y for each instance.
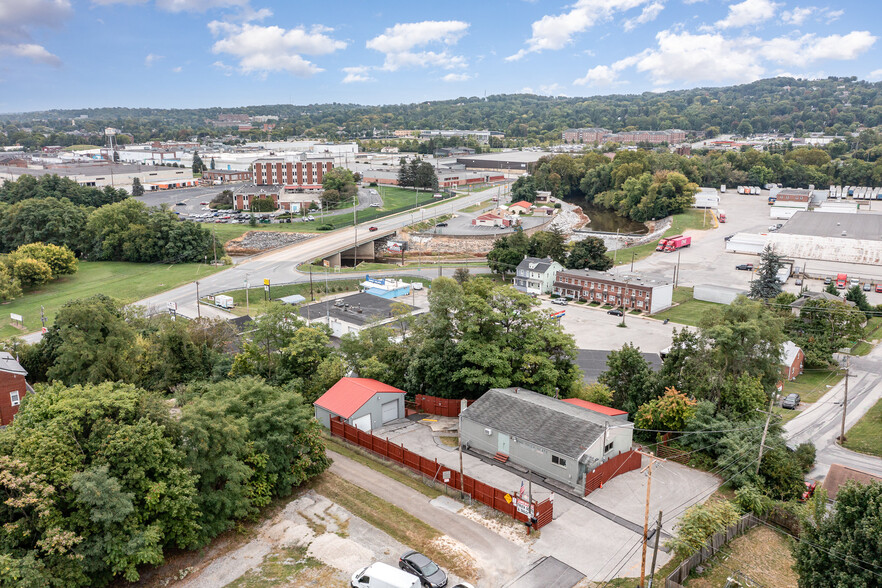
(14, 398)
(608, 447)
(559, 461)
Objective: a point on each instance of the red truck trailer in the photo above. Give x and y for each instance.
(678, 243)
(663, 243)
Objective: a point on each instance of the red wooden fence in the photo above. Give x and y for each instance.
(484, 493)
(448, 407)
(614, 466)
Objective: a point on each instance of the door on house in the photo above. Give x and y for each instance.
(363, 422)
(390, 411)
(502, 443)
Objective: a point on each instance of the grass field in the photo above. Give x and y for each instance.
(126, 281)
(866, 435)
(688, 310)
(689, 220)
(478, 206)
(811, 385)
(761, 554)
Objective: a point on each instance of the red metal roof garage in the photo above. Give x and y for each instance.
(361, 402)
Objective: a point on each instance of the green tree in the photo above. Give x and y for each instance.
(91, 342)
(765, 284)
(508, 251)
(856, 295)
(198, 165)
(589, 253)
(111, 454)
(630, 377)
(544, 244)
(263, 205)
(669, 412)
(342, 181)
(831, 289)
(524, 188)
(30, 272)
(60, 259)
(137, 187)
(596, 393)
(10, 286)
(700, 522)
(461, 274)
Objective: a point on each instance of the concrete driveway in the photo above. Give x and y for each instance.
(595, 534)
(594, 329)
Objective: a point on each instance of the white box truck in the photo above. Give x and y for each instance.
(223, 301)
(380, 575)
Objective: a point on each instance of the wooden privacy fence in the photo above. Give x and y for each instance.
(448, 407)
(715, 543)
(614, 466)
(484, 493)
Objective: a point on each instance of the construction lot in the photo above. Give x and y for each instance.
(597, 535)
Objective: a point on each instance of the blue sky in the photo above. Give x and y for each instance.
(198, 53)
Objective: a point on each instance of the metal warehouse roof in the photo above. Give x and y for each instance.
(863, 225)
(349, 394)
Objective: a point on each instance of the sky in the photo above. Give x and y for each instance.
(202, 53)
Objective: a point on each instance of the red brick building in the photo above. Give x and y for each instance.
(624, 290)
(225, 176)
(292, 172)
(794, 195)
(792, 361)
(13, 387)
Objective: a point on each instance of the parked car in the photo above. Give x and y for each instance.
(854, 282)
(181, 204)
(828, 281)
(798, 282)
(424, 568)
(745, 266)
(380, 575)
(791, 401)
(441, 224)
(204, 203)
(373, 229)
(867, 287)
(878, 287)
(561, 301)
(464, 585)
(615, 312)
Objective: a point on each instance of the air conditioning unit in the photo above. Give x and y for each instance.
(488, 432)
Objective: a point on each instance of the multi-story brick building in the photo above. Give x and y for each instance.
(597, 135)
(592, 135)
(13, 387)
(225, 176)
(292, 172)
(625, 290)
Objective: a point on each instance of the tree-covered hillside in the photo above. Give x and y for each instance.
(778, 104)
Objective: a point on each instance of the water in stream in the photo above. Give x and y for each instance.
(603, 219)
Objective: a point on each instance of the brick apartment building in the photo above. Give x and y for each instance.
(294, 173)
(626, 290)
(591, 135)
(596, 135)
(13, 387)
(794, 195)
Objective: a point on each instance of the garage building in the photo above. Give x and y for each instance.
(361, 402)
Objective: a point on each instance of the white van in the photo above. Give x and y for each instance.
(380, 575)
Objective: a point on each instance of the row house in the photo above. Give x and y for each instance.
(627, 290)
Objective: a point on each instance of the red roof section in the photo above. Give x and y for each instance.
(349, 394)
(522, 204)
(595, 407)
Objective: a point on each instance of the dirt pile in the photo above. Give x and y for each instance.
(258, 241)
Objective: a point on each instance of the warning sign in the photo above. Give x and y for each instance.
(508, 498)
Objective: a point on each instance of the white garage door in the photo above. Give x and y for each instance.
(390, 411)
(363, 422)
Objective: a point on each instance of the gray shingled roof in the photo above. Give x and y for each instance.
(10, 365)
(540, 264)
(539, 419)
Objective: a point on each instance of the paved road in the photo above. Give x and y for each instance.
(499, 559)
(279, 266)
(821, 423)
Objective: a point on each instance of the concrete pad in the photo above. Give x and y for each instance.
(548, 572)
(448, 504)
(341, 553)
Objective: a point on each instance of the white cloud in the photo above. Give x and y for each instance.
(798, 15)
(809, 48)
(263, 49)
(875, 75)
(829, 15)
(599, 75)
(177, 69)
(648, 14)
(19, 17)
(553, 32)
(356, 74)
(747, 13)
(223, 67)
(397, 43)
(151, 59)
(31, 51)
(456, 77)
(551, 89)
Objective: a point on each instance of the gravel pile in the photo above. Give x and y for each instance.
(567, 219)
(257, 241)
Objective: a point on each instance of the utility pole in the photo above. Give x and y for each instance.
(765, 430)
(214, 243)
(462, 406)
(247, 305)
(633, 255)
(845, 399)
(677, 274)
(652, 459)
(355, 231)
(311, 293)
(655, 551)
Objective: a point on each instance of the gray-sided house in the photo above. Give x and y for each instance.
(360, 402)
(550, 437)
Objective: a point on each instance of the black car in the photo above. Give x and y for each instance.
(745, 266)
(441, 225)
(729, 237)
(430, 575)
(615, 312)
(791, 401)
(181, 204)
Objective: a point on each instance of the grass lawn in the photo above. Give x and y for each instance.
(762, 554)
(811, 385)
(866, 435)
(685, 221)
(688, 310)
(862, 348)
(478, 206)
(871, 329)
(126, 281)
(785, 413)
(400, 525)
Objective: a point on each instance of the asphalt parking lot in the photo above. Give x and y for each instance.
(593, 328)
(461, 224)
(579, 536)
